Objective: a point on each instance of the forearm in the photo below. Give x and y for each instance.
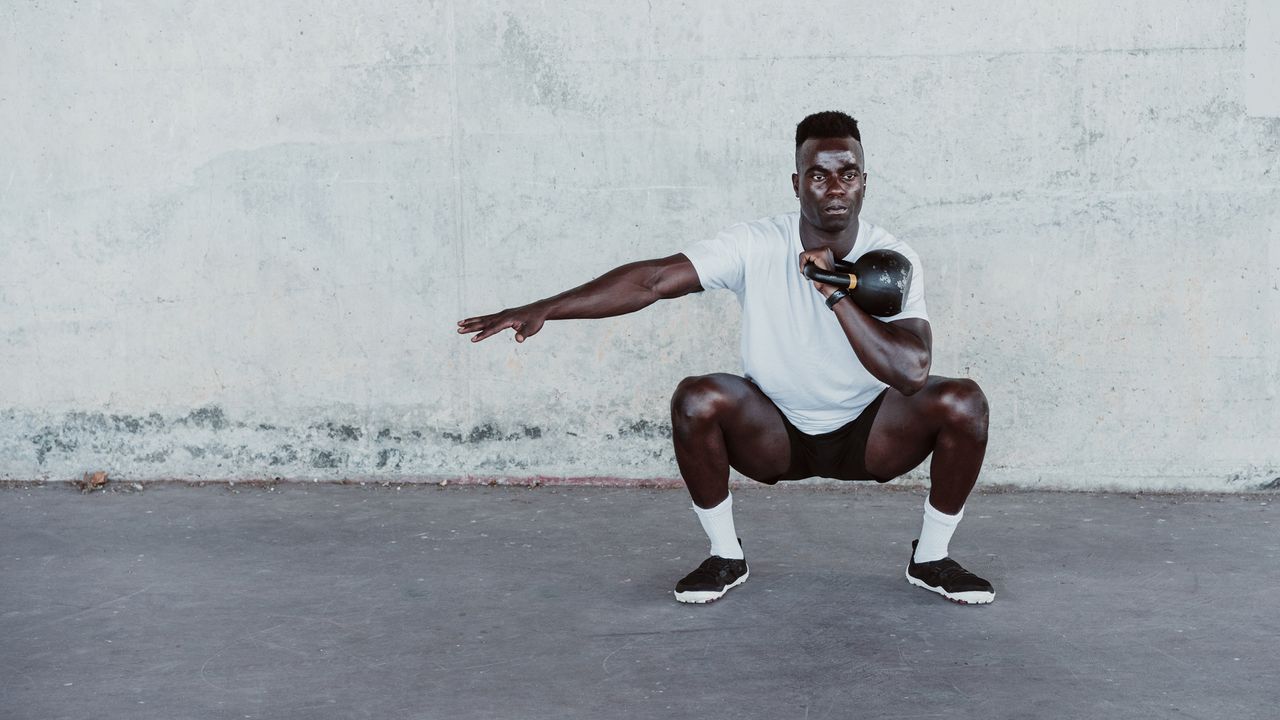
(894, 355)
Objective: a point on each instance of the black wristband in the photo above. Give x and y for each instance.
(836, 297)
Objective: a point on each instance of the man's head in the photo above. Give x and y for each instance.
(831, 171)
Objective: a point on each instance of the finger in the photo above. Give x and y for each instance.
(487, 332)
(473, 324)
(496, 328)
(478, 319)
(474, 320)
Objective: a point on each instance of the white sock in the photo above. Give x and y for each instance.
(935, 533)
(718, 524)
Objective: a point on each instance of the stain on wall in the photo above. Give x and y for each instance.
(212, 445)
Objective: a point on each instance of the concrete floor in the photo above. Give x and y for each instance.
(304, 601)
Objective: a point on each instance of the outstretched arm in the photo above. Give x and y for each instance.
(620, 291)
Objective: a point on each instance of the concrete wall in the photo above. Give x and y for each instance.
(235, 236)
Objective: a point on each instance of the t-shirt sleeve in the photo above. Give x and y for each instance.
(914, 306)
(721, 261)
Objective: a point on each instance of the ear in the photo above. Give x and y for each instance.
(795, 184)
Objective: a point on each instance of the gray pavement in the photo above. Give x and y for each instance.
(323, 601)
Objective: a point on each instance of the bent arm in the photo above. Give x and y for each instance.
(896, 353)
(622, 290)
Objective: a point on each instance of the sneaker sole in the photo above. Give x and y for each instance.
(701, 597)
(968, 597)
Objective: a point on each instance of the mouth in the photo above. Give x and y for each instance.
(836, 209)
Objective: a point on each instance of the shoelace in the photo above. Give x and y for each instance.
(713, 566)
(950, 572)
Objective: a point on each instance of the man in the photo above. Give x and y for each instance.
(829, 390)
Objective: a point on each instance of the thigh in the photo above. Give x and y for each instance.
(755, 434)
(905, 430)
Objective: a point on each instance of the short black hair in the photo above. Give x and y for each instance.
(827, 124)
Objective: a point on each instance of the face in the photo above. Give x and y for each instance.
(830, 181)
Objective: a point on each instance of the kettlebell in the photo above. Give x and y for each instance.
(877, 282)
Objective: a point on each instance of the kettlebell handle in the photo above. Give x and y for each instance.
(877, 282)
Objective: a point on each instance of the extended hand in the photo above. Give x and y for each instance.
(526, 321)
(823, 259)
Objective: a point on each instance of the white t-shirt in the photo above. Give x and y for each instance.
(792, 345)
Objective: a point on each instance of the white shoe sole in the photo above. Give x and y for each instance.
(968, 597)
(700, 597)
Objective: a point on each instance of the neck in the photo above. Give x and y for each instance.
(841, 242)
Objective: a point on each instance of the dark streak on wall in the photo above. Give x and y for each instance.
(207, 438)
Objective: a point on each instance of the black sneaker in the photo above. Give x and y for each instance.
(713, 578)
(949, 580)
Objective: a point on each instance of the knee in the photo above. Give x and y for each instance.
(963, 406)
(698, 398)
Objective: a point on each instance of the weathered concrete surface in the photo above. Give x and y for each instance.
(234, 239)
(1262, 59)
(317, 602)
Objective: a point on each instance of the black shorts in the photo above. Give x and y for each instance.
(840, 454)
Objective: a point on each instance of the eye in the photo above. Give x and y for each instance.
(850, 177)
(817, 177)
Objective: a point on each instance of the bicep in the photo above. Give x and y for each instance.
(675, 276)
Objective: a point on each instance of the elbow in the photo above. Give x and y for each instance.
(651, 283)
(916, 378)
(670, 278)
(910, 387)
(662, 286)
(664, 292)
